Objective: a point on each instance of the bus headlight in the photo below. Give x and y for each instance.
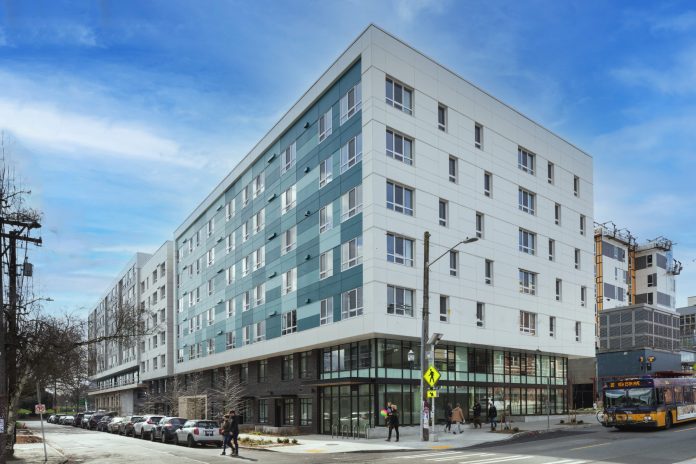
(647, 418)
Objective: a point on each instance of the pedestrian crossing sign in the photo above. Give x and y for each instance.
(431, 376)
(432, 393)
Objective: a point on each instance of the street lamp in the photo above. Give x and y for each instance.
(426, 317)
(411, 358)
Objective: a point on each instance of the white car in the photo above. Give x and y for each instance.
(199, 432)
(67, 420)
(144, 429)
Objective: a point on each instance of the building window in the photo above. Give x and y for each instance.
(351, 253)
(552, 249)
(552, 326)
(480, 314)
(305, 411)
(229, 210)
(326, 311)
(351, 153)
(351, 203)
(211, 257)
(577, 258)
(557, 213)
(325, 172)
(211, 287)
(442, 211)
(399, 147)
(258, 221)
(229, 243)
(479, 225)
(246, 334)
(488, 272)
(583, 296)
(289, 322)
(288, 199)
(352, 303)
(652, 280)
(326, 264)
(582, 224)
(478, 136)
(325, 122)
(230, 307)
(287, 367)
(442, 117)
(399, 250)
(287, 158)
(326, 218)
(444, 308)
(289, 281)
(260, 331)
(399, 301)
(259, 185)
(263, 411)
(525, 160)
(304, 364)
(527, 242)
(528, 322)
(259, 294)
(245, 231)
(559, 289)
(550, 172)
(211, 316)
(576, 186)
(527, 201)
(453, 263)
(288, 240)
(259, 257)
(399, 198)
(527, 282)
(487, 184)
(351, 103)
(578, 328)
(289, 411)
(210, 347)
(399, 96)
(210, 227)
(649, 261)
(452, 169)
(244, 373)
(246, 301)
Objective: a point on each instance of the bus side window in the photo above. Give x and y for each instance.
(669, 396)
(660, 392)
(688, 394)
(678, 395)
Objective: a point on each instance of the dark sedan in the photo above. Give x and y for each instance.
(126, 426)
(166, 429)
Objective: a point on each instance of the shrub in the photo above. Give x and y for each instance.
(279, 440)
(294, 441)
(515, 429)
(562, 421)
(23, 412)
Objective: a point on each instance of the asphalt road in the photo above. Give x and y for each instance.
(583, 447)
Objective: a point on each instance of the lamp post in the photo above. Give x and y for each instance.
(426, 318)
(411, 359)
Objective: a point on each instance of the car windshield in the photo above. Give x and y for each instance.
(177, 420)
(630, 398)
(207, 424)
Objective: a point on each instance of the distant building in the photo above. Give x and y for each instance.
(687, 334)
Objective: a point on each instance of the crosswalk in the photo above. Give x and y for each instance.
(463, 457)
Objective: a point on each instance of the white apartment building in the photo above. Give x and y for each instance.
(302, 269)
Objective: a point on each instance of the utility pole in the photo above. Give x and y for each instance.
(424, 333)
(8, 319)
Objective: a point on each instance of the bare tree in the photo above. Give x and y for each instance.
(230, 391)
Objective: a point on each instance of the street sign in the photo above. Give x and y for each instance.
(431, 376)
(40, 409)
(432, 393)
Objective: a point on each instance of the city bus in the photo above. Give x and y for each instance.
(648, 402)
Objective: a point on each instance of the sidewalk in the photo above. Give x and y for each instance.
(410, 438)
(34, 452)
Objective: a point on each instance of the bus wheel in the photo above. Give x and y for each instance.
(668, 420)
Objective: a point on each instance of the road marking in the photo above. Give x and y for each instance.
(458, 456)
(424, 455)
(590, 446)
(498, 459)
(566, 461)
(684, 430)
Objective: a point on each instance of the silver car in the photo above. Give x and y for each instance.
(144, 429)
(199, 432)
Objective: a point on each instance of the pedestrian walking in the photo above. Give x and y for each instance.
(448, 416)
(394, 422)
(234, 431)
(458, 417)
(477, 415)
(225, 431)
(493, 416)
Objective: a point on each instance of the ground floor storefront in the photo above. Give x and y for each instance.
(342, 388)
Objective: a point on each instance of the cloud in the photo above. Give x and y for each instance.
(407, 10)
(676, 74)
(3, 38)
(85, 135)
(680, 23)
(128, 248)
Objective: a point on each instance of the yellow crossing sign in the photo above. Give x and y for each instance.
(432, 393)
(431, 376)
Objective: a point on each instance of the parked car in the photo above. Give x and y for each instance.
(199, 432)
(113, 426)
(103, 424)
(67, 420)
(85, 420)
(56, 418)
(126, 426)
(78, 419)
(144, 428)
(51, 418)
(165, 431)
(94, 420)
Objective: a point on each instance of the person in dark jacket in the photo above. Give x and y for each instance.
(393, 422)
(448, 416)
(226, 436)
(493, 416)
(477, 415)
(234, 431)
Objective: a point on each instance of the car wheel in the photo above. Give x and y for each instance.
(152, 435)
(176, 439)
(142, 434)
(164, 438)
(190, 442)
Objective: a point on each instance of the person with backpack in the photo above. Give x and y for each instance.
(234, 431)
(448, 416)
(393, 422)
(477, 415)
(493, 416)
(458, 417)
(225, 428)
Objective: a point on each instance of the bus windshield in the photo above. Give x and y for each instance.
(630, 398)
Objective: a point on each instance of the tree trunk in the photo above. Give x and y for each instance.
(12, 410)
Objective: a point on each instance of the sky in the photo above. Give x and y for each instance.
(123, 115)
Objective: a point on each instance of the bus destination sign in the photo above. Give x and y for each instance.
(628, 383)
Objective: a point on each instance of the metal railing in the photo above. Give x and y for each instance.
(334, 427)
